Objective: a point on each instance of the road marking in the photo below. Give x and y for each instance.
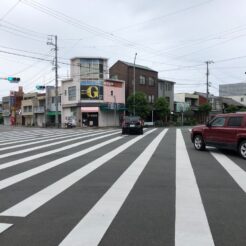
(38, 139)
(191, 224)
(50, 144)
(90, 230)
(33, 202)
(4, 227)
(238, 174)
(29, 158)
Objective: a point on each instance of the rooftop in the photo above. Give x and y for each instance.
(138, 66)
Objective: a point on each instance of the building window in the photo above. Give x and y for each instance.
(242, 99)
(168, 87)
(151, 81)
(114, 76)
(27, 109)
(141, 80)
(72, 93)
(151, 98)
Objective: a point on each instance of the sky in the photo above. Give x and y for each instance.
(173, 37)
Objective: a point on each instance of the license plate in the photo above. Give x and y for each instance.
(132, 125)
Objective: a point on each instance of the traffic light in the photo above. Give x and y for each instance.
(13, 79)
(40, 87)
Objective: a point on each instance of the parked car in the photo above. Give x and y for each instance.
(225, 131)
(132, 124)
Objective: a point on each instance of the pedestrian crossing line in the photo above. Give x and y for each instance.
(4, 227)
(47, 145)
(37, 170)
(191, 224)
(238, 174)
(90, 230)
(24, 133)
(35, 201)
(32, 157)
(64, 135)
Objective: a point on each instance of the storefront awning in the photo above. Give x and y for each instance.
(53, 113)
(89, 109)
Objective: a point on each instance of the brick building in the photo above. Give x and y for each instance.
(146, 79)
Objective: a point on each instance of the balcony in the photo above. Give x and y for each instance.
(39, 110)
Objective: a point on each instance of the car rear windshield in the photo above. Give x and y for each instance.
(132, 118)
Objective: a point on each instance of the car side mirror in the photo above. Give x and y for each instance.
(208, 124)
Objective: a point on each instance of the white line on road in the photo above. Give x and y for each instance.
(32, 157)
(4, 227)
(238, 174)
(90, 230)
(33, 202)
(37, 170)
(38, 139)
(50, 144)
(191, 224)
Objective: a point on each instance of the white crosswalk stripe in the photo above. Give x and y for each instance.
(191, 227)
(79, 155)
(32, 157)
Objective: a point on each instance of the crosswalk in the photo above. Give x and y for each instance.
(98, 187)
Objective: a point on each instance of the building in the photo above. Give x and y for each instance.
(146, 79)
(187, 99)
(27, 108)
(11, 106)
(238, 89)
(50, 105)
(89, 96)
(166, 90)
(38, 109)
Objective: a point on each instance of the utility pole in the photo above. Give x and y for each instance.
(50, 42)
(134, 84)
(207, 75)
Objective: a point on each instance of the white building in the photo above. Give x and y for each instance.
(89, 96)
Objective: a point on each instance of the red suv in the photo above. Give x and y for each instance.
(225, 131)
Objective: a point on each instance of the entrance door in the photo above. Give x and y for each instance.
(90, 119)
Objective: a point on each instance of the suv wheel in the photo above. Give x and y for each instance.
(199, 143)
(242, 149)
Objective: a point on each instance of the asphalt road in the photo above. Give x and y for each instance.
(97, 187)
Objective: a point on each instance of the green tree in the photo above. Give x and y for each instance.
(142, 108)
(231, 109)
(204, 110)
(162, 108)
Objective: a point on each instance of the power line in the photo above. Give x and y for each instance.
(9, 11)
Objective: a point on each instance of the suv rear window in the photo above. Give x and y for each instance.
(235, 121)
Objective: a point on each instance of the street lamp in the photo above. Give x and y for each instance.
(134, 83)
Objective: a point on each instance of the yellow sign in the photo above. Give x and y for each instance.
(92, 92)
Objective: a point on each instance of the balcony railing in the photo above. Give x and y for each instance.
(39, 110)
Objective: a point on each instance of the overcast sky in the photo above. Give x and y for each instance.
(173, 37)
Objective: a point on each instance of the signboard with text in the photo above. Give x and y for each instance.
(91, 90)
